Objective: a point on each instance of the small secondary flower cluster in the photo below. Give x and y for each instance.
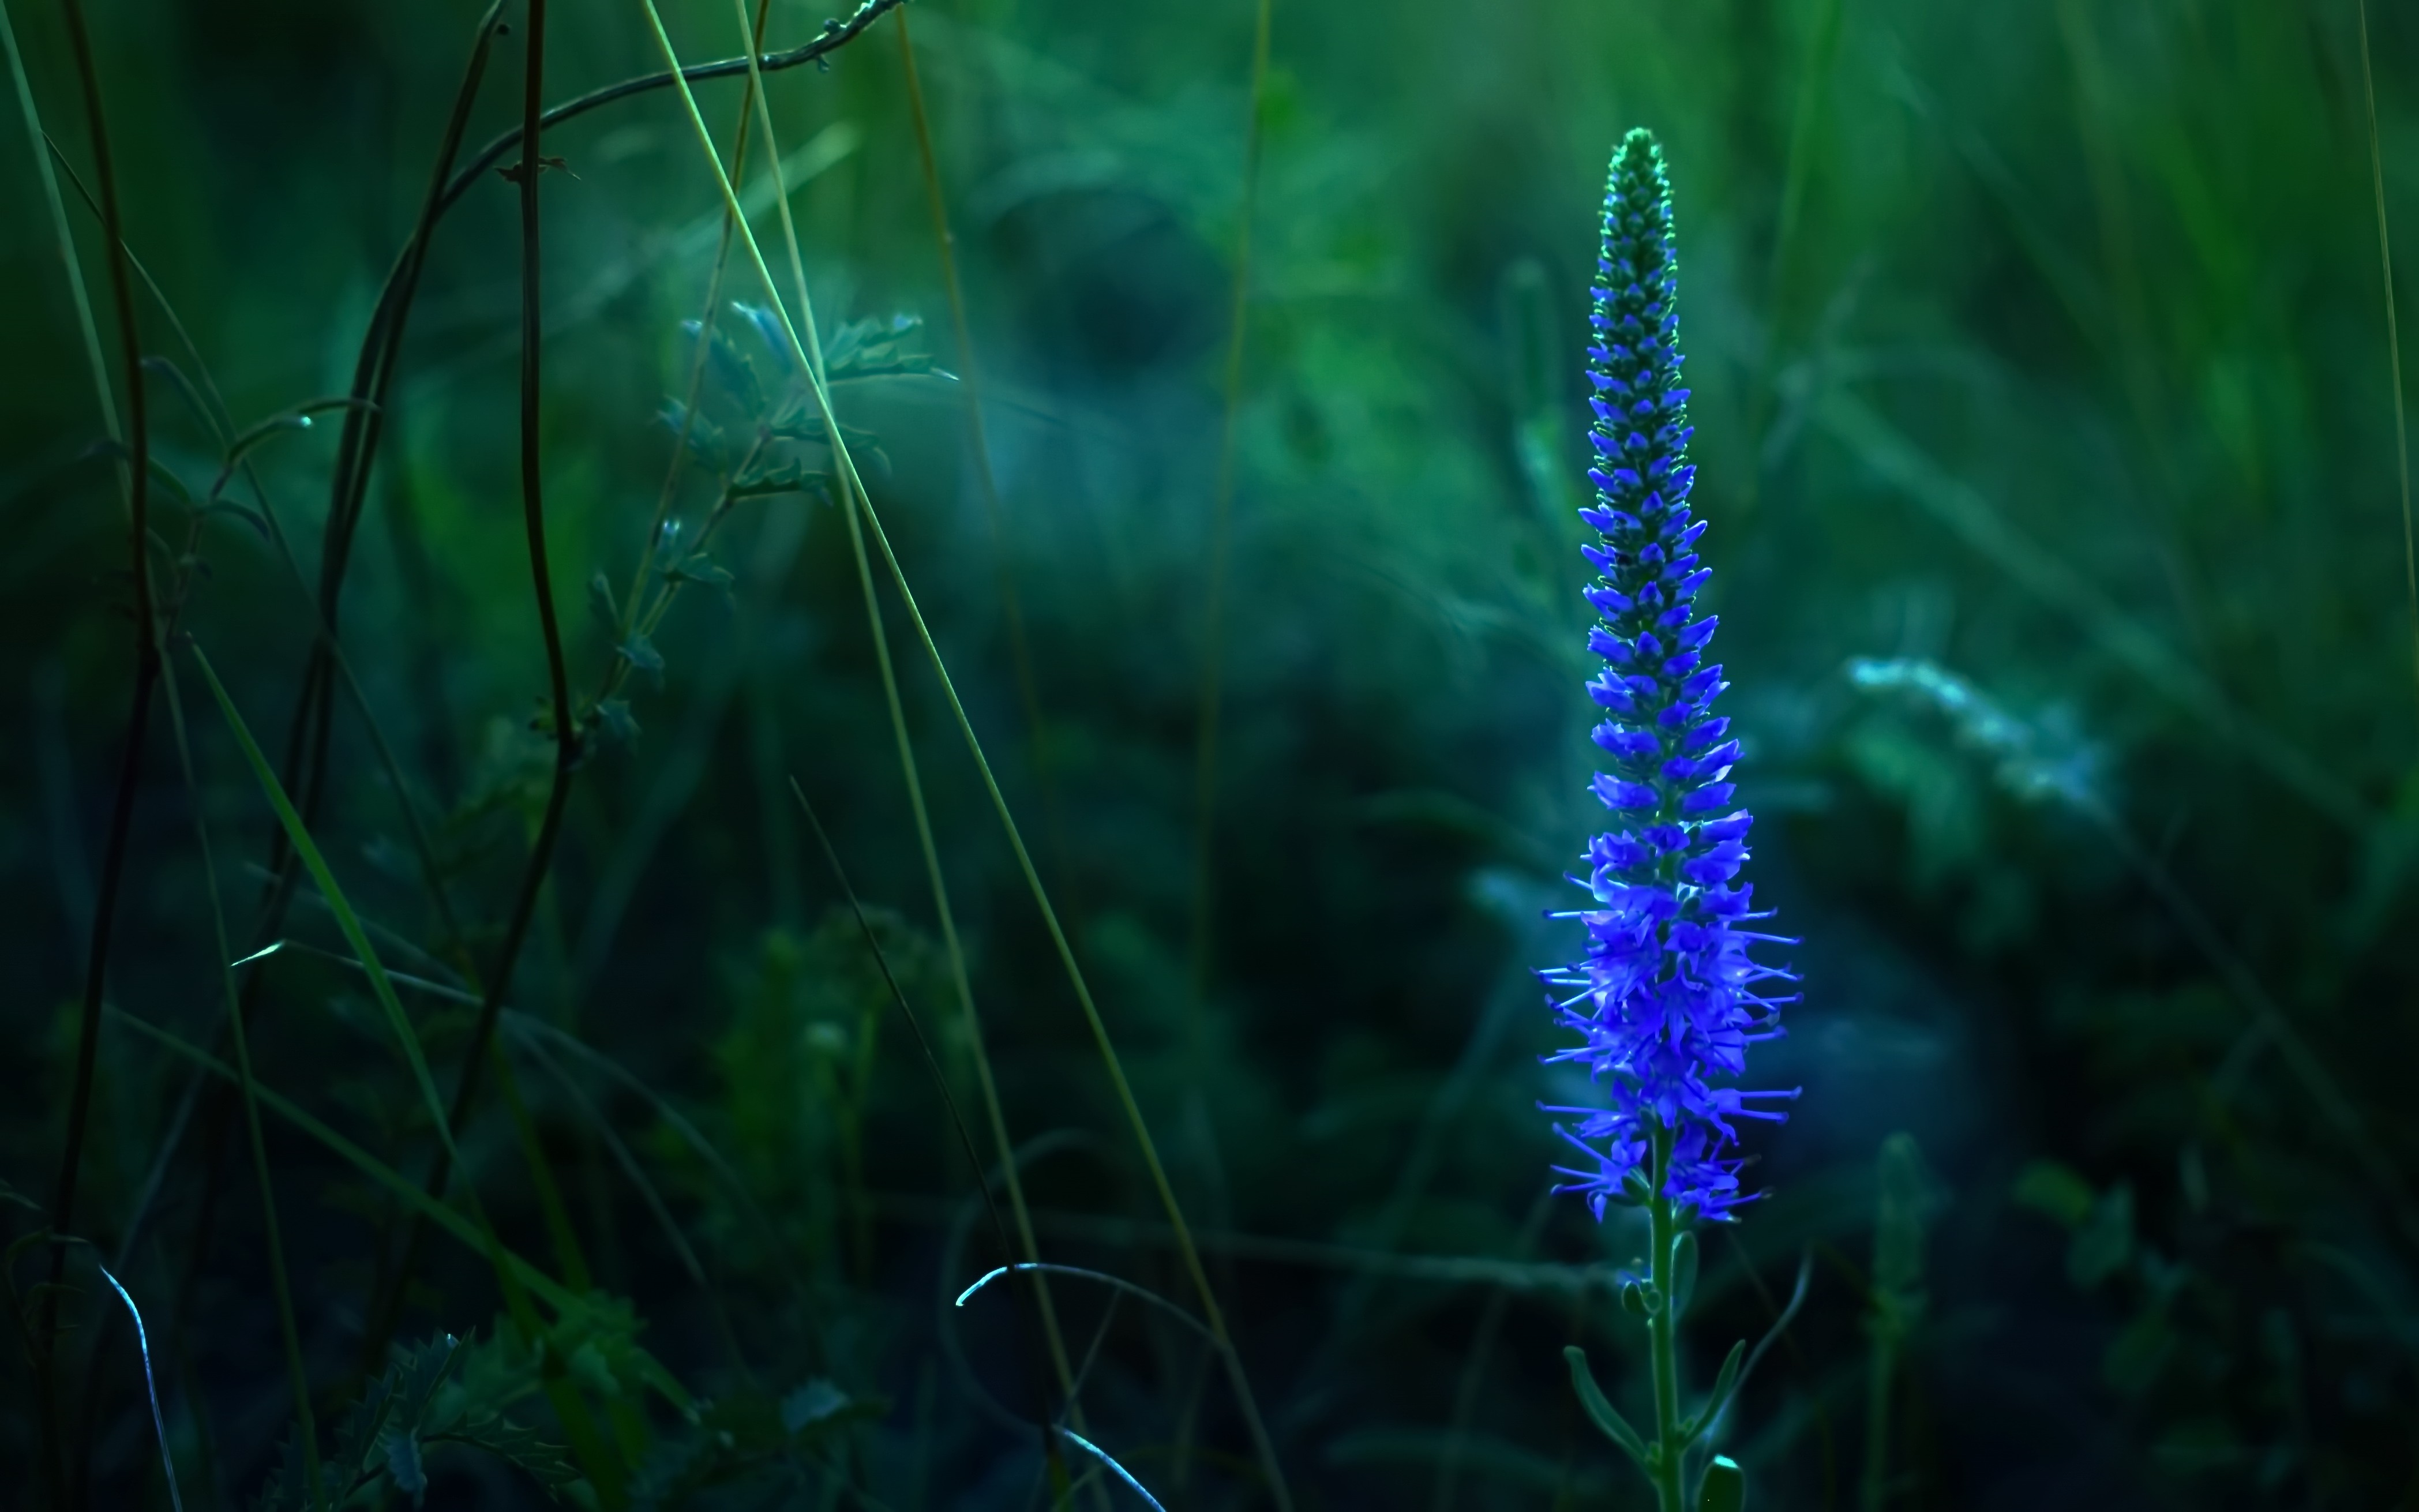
(1666, 998)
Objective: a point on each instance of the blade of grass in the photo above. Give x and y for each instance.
(289, 1333)
(306, 755)
(215, 414)
(89, 332)
(2039, 572)
(137, 483)
(535, 1034)
(681, 1251)
(1473, 1368)
(941, 1085)
(2392, 342)
(2094, 90)
(1221, 509)
(79, 299)
(1211, 697)
(538, 1284)
(1112, 1282)
(540, 862)
(142, 1342)
(586, 1444)
(349, 923)
(1814, 92)
(979, 444)
(851, 490)
(536, 1031)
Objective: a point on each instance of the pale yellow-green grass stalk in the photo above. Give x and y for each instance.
(852, 495)
(960, 979)
(587, 1445)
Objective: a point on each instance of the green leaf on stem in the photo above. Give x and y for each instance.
(640, 653)
(616, 723)
(1723, 1385)
(1600, 1410)
(699, 569)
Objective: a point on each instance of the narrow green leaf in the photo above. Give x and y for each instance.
(252, 517)
(1723, 1385)
(299, 836)
(1600, 1410)
(161, 473)
(552, 1292)
(640, 653)
(185, 390)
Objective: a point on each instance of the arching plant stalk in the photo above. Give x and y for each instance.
(853, 490)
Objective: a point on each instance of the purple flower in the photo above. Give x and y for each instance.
(1667, 999)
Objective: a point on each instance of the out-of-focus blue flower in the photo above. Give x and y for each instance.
(1667, 999)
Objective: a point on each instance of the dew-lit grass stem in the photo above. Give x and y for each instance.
(853, 489)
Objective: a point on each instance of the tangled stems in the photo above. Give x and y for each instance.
(371, 376)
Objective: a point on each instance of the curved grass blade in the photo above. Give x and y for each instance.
(1116, 1283)
(1114, 1468)
(289, 1330)
(540, 1285)
(1732, 1384)
(852, 492)
(534, 1033)
(533, 1030)
(1210, 699)
(587, 1444)
(298, 835)
(853, 489)
(143, 1343)
(80, 299)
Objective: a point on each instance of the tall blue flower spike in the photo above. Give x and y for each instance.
(1667, 999)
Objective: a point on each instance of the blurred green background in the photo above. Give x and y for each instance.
(2040, 357)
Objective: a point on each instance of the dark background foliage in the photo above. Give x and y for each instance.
(2038, 352)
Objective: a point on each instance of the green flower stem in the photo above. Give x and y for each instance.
(1663, 1335)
